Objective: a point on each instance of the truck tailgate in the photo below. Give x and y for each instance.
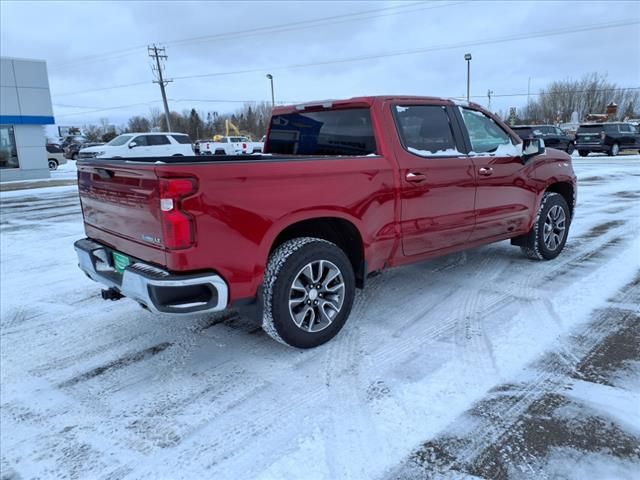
(121, 206)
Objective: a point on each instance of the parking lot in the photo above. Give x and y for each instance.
(478, 364)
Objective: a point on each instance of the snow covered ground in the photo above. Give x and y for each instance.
(480, 364)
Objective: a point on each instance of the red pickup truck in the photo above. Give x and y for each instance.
(346, 189)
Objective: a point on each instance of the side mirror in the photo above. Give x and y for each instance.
(132, 144)
(532, 147)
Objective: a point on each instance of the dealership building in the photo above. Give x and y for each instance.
(25, 109)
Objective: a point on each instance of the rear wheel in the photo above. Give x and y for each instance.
(583, 153)
(548, 236)
(614, 150)
(74, 156)
(53, 165)
(308, 291)
(570, 148)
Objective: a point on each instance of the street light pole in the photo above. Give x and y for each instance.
(273, 98)
(467, 57)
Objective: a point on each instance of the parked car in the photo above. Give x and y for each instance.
(609, 138)
(71, 151)
(225, 146)
(130, 145)
(72, 140)
(55, 156)
(196, 145)
(553, 136)
(350, 188)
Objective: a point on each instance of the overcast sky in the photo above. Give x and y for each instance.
(99, 45)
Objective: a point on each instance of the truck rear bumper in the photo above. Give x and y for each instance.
(152, 287)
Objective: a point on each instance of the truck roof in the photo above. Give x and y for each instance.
(364, 101)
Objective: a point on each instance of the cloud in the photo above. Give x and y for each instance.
(74, 38)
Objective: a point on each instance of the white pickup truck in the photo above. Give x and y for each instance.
(230, 146)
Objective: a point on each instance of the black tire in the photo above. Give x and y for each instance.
(535, 246)
(583, 153)
(614, 150)
(285, 266)
(74, 156)
(570, 148)
(53, 165)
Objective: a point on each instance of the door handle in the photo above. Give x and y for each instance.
(486, 171)
(415, 177)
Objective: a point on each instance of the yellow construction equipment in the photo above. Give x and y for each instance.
(228, 125)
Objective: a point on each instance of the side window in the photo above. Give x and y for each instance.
(155, 140)
(487, 136)
(141, 141)
(559, 132)
(182, 139)
(425, 130)
(53, 149)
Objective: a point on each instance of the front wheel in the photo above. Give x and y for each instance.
(614, 150)
(53, 165)
(583, 153)
(548, 236)
(308, 291)
(570, 148)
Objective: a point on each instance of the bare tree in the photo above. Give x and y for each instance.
(591, 94)
(92, 133)
(138, 124)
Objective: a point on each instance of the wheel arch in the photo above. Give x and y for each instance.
(339, 230)
(567, 191)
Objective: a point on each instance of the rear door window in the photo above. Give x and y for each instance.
(327, 132)
(425, 130)
(156, 140)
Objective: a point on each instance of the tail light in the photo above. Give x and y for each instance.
(177, 225)
(244, 147)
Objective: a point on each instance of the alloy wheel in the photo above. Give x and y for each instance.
(554, 227)
(316, 295)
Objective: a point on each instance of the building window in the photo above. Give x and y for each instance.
(8, 151)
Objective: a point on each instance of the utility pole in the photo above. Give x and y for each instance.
(489, 93)
(157, 54)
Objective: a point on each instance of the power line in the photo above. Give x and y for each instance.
(260, 30)
(100, 89)
(551, 93)
(545, 33)
(293, 102)
(495, 40)
(120, 107)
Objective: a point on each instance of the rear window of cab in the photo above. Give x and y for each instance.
(326, 132)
